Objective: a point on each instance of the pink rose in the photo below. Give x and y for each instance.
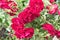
(52, 9)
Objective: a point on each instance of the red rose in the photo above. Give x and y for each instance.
(16, 27)
(26, 16)
(37, 5)
(15, 21)
(9, 5)
(24, 33)
(52, 9)
(29, 32)
(50, 28)
(20, 34)
(4, 5)
(3, 0)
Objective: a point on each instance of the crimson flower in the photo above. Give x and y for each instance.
(24, 33)
(15, 21)
(52, 9)
(49, 27)
(16, 27)
(27, 16)
(20, 34)
(51, 30)
(29, 32)
(37, 5)
(9, 5)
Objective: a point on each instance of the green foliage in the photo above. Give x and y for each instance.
(5, 22)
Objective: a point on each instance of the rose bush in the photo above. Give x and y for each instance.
(29, 19)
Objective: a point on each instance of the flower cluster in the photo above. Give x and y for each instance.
(53, 7)
(27, 16)
(50, 28)
(21, 31)
(9, 6)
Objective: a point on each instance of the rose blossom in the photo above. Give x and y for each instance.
(51, 30)
(52, 9)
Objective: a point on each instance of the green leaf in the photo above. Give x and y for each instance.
(7, 23)
(0, 20)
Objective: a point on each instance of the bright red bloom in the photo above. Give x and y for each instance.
(49, 27)
(17, 24)
(16, 27)
(19, 29)
(3, 0)
(31, 13)
(37, 5)
(9, 5)
(4, 5)
(20, 34)
(18, 20)
(24, 33)
(15, 21)
(26, 16)
(29, 32)
(52, 8)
